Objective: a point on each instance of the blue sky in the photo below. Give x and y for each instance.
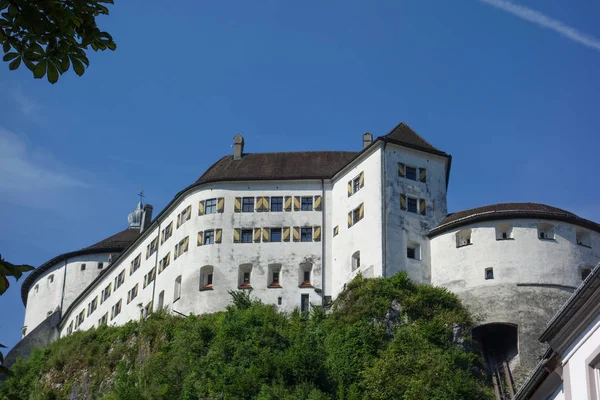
(511, 94)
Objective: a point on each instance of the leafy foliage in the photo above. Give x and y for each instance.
(50, 36)
(384, 339)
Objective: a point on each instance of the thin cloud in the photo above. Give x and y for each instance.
(27, 173)
(544, 21)
(25, 104)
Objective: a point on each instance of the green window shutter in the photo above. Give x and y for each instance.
(401, 170)
(422, 174)
(403, 202)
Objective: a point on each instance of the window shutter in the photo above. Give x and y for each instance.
(361, 211)
(296, 203)
(236, 235)
(265, 235)
(288, 203)
(401, 170)
(336, 230)
(349, 188)
(175, 252)
(422, 207)
(188, 212)
(296, 234)
(265, 203)
(237, 205)
(317, 205)
(220, 204)
(201, 207)
(147, 251)
(256, 235)
(162, 237)
(186, 243)
(218, 235)
(361, 179)
(286, 234)
(200, 238)
(422, 174)
(258, 204)
(317, 233)
(349, 219)
(403, 202)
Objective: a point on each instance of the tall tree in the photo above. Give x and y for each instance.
(50, 36)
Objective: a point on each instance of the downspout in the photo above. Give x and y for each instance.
(155, 265)
(323, 238)
(62, 296)
(383, 213)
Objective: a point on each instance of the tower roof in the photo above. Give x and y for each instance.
(404, 135)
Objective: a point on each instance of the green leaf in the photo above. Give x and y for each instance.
(10, 56)
(6, 47)
(77, 66)
(64, 65)
(111, 45)
(14, 64)
(4, 4)
(13, 10)
(29, 64)
(3, 284)
(40, 69)
(52, 73)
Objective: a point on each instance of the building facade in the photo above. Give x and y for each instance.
(296, 227)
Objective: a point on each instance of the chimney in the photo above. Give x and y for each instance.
(238, 147)
(146, 218)
(367, 140)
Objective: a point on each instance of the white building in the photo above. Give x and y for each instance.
(296, 227)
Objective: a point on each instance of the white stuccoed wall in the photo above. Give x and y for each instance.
(403, 227)
(524, 260)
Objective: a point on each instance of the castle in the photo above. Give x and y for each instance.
(296, 227)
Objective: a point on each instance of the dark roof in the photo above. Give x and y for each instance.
(507, 211)
(275, 166)
(407, 136)
(114, 244)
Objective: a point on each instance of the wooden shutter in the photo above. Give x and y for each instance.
(361, 179)
(218, 235)
(422, 207)
(317, 204)
(403, 202)
(422, 174)
(296, 203)
(265, 201)
(296, 234)
(201, 207)
(349, 219)
(256, 235)
(200, 242)
(236, 235)
(220, 204)
(349, 188)
(317, 233)
(186, 243)
(237, 205)
(288, 203)
(265, 234)
(258, 204)
(147, 251)
(401, 170)
(361, 211)
(336, 230)
(188, 212)
(162, 237)
(286, 234)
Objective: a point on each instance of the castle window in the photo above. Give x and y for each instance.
(306, 234)
(275, 235)
(463, 238)
(206, 277)
(248, 204)
(51, 278)
(103, 320)
(161, 300)
(166, 233)
(185, 215)
(209, 237)
(177, 289)
(413, 251)
(411, 173)
(356, 260)
(182, 246)
(304, 303)
(585, 272)
(277, 204)
(545, 232)
(132, 294)
(583, 238)
(489, 273)
(210, 206)
(305, 275)
(356, 215)
(273, 279)
(79, 319)
(149, 277)
(356, 184)
(152, 247)
(105, 293)
(82, 268)
(135, 264)
(307, 204)
(411, 203)
(70, 328)
(246, 235)
(244, 275)
(100, 265)
(119, 279)
(116, 309)
(504, 231)
(92, 306)
(164, 263)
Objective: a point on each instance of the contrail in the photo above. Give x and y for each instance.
(545, 22)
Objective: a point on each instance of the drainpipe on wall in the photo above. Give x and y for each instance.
(383, 213)
(62, 296)
(156, 264)
(323, 238)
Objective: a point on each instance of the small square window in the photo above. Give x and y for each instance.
(246, 235)
(275, 278)
(209, 237)
(306, 235)
(83, 267)
(411, 204)
(489, 273)
(306, 277)
(51, 278)
(100, 265)
(410, 252)
(276, 204)
(248, 204)
(246, 278)
(411, 173)
(275, 234)
(356, 260)
(307, 204)
(210, 206)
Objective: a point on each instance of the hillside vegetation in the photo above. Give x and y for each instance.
(384, 339)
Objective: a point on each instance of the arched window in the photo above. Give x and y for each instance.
(545, 231)
(274, 276)
(177, 289)
(206, 277)
(305, 275)
(356, 260)
(244, 276)
(463, 238)
(504, 231)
